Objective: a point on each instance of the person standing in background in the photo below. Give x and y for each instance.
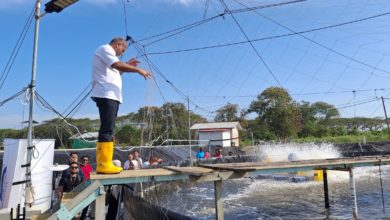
(85, 167)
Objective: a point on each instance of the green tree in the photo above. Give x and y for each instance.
(316, 119)
(279, 113)
(128, 135)
(226, 113)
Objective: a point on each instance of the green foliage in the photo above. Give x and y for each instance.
(227, 113)
(152, 123)
(277, 113)
(367, 136)
(128, 135)
(277, 117)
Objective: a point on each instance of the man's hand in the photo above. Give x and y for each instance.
(145, 74)
(133, 62)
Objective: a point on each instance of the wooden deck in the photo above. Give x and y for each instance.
(328, 164)
(94, 190)
(212, 172)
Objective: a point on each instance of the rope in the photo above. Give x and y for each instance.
(13, 96)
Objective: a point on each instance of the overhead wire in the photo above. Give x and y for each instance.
(13, 96)
(205, 20)
(157, 70)
(251, 43)
(82, 92)
(16, 49)
(320, 44)
(271, 37)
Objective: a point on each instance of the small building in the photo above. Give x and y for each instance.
(224, 134)
(86, 140)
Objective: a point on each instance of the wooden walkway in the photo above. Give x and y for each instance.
(208, 172)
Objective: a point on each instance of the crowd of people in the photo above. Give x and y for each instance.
(204, 154)
(80, 171)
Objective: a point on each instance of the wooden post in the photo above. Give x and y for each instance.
(100, 210)
(218, 200)
(326, 190)
(384, 109)
(353, 191)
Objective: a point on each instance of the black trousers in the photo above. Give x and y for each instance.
(108, 110)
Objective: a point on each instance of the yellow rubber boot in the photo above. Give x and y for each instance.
(104, 154)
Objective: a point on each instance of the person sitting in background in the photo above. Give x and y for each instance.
(137, 161)
(85, 167)
(129, 162)
(200, 153)
(154, 161)
(218, 153)
(73, 157)
(71, 181)
(206, 154)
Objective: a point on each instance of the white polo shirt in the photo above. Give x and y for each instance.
(106, 81)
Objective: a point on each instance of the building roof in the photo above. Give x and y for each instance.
(214, 125)
(86, 135)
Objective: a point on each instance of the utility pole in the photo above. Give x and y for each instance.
(384, 109)
(189, 128)
(30, 145)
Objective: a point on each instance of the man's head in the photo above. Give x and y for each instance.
(200, 149)
(74, 157)
(84, 159)
(74, 167)
(130, 156)
(135, 154)
(119, 45)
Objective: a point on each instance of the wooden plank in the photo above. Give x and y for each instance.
(325, 163)
(193, 171)
(133, 173)
(100, 210)
(79, 197)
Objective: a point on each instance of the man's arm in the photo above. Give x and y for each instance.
(124, 67)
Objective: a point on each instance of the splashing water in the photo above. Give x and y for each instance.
(292, 151)
(270, 199)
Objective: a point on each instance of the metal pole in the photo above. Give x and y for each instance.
(189, 128)
(384, 109)
(353, 191)
(326, 190)
(253, 144)
(32, 94)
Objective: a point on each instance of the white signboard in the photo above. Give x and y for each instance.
(15, 154)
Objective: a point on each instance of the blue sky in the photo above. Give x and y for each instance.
(325, 65)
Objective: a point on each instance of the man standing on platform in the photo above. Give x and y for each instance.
(107, 93)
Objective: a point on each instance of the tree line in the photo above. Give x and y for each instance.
(273, 115)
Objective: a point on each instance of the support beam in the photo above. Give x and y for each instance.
(218, 200)
(353, 192)
(100, 207)
(326, 190)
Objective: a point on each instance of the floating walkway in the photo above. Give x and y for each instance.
(93, 190)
